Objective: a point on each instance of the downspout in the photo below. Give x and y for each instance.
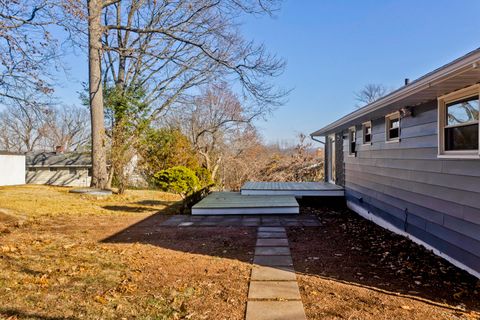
(324, 157)
(313, 138)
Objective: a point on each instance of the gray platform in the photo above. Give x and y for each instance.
(297, 189)
(226, 203)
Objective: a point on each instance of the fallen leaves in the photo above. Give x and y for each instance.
(8, 248)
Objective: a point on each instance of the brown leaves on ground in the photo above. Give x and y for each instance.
(352, 269)
(57, 266)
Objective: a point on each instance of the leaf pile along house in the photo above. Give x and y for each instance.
(410, 161)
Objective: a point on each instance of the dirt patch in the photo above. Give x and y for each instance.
(352, 269)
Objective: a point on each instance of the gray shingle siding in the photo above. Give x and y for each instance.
(435, 200)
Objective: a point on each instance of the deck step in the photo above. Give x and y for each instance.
(225, 203)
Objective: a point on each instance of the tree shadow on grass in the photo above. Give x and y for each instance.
(127, 208)
(219, 241)
(18, 314)
(170, 207)
(155, 203)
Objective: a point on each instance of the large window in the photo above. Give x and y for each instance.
(367, 132)
(458, 123)
(392, 127)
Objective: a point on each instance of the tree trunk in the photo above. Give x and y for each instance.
(99, 159)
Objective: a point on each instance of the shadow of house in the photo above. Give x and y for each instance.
(345, 249)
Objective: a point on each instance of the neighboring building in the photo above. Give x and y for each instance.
(12, 168)
(58, 168)
(410, 161)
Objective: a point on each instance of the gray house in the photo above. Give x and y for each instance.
(60, 169)
(410, 161)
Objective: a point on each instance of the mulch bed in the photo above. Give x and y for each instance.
(352, 268)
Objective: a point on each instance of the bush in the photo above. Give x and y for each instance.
(179, 179)
(204, 177)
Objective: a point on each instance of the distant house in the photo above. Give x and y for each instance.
(58, 168)
(12, 168)
(410, 161)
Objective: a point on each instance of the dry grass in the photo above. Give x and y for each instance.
(32, 201)
(54, 264)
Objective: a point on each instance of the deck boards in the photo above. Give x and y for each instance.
(264, 198)
(236, 200)
(297, 189)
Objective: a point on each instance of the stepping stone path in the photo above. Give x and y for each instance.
(273, 292)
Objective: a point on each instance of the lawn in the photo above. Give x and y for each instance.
(71, 256)
(68, 256)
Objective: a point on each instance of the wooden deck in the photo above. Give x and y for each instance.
(225, 203)
(297, 189)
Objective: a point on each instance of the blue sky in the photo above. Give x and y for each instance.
(333, 48)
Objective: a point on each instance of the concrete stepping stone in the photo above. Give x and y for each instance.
(263, 273)
(272, 251)
(273, 261)
(274, 290)
(186, 224)
(272, 243)
(271, 229)
(272, 235)
(275, 310)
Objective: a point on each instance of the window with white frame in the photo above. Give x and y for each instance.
(459, 123)
(352, 138)
(392, 127)
(367, 132)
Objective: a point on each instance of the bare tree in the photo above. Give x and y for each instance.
(22, 127)
(244, 158)
(169, 47)
(67, 127)
(27, 48)
(30, 127)
(212, 121)
(370, 93)
(296, 163)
